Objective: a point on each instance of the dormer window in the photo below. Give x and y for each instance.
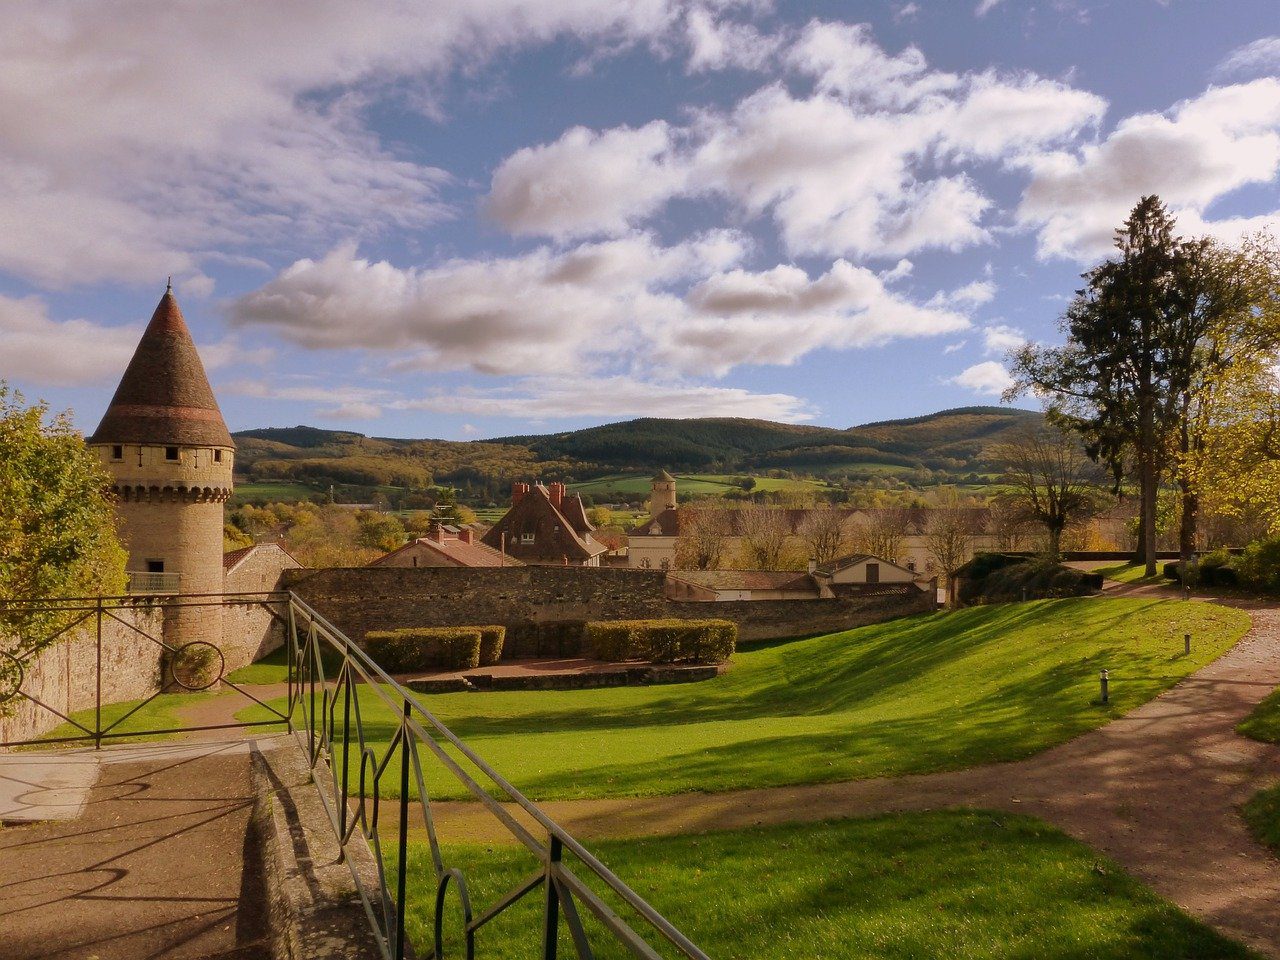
(117, 451)
(171, 453)
(526, 538)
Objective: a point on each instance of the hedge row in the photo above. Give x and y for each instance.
(662, 641)
(492, 638)
(424, 648)
(1000, 578)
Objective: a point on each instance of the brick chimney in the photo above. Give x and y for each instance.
(555, 492)
(434, 532)
(466, 536)
(518, 491)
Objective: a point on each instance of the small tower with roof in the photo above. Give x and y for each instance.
(170, 455)
(663, 493)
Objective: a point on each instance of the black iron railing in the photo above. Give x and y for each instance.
(568, 877)
(326, 674)
(191, 666)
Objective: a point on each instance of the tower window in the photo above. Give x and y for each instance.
(171, 453)
(217, 456)
(155, 566)
(117, 452)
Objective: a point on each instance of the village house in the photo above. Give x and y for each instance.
(546, 527)
(856, 575)
(446, 545)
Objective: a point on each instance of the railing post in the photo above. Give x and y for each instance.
(291, 659)
(403, 839)
(551, 902)
(97, 683)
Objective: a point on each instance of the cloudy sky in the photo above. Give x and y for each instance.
(468, 218)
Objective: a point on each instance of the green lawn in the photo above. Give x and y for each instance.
(1262, 816)
(932, 692)
(1264, 723)
(159, 714)
(965, 885)
(1133, 573)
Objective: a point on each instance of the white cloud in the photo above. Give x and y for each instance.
(986, 6)
(865, 165)
(612, 397)
(35, 348)
(716, 42)
(973, 294)
(908, 11)
(1262, 56)
(1001, 338)
(955, 347)
(988, 378)
(140, 137)
(1202, 150)
(627, 303)
(586, 183)
(844, 59)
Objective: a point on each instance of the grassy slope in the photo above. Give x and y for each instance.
(964, 885)
(696, 484)
(934, 692)
(159, 714)
(1133, 573)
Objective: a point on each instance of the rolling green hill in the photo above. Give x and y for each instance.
(621, 456)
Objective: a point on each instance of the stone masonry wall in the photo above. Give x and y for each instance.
(534, 602)
(249, 630)
(63, 674)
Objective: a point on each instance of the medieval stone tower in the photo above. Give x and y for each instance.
(168, 450)
(663, 493)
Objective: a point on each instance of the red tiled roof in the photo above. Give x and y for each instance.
(164, 396)
(458, 551)
(556, 535)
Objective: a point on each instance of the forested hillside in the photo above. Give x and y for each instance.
(950, 443)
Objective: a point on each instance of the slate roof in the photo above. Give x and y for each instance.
(164, 396)
(559, 534)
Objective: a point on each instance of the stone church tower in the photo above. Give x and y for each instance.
(662, 494)
(168, 450)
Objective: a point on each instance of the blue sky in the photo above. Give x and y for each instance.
(458, 219)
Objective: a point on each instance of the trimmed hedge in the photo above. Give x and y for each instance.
(1004, 578)
(492, 637)
(424, 648)
(662, 641)
(1211, 570)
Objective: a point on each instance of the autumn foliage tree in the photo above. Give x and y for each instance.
(57, 524)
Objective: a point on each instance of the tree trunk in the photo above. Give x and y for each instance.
(1187, 529)
(1055, 543)
(1150, 492)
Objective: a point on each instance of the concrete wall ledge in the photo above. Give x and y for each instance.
(314, 908)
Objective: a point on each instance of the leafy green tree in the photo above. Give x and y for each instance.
(57, 524)
(1117, 379)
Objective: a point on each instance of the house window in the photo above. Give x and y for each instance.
(171, 453)
(526, 538)
(873, 573)
(666, 564)
(911, 565)
(217, 456)
(155, 566)
(117, 452)
(644, 564)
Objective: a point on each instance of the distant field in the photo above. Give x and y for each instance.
(276, 491)
(687, 484)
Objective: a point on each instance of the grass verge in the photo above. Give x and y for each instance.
(960, 884)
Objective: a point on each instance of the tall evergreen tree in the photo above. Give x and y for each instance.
(1111, 381)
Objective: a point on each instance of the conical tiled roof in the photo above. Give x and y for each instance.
(164, 396)
(664, 477)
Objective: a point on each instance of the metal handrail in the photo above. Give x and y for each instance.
(562, 888)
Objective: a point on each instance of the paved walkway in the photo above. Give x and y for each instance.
(159, 863)
(1159, 790)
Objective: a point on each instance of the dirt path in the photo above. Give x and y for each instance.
(1159, 790)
